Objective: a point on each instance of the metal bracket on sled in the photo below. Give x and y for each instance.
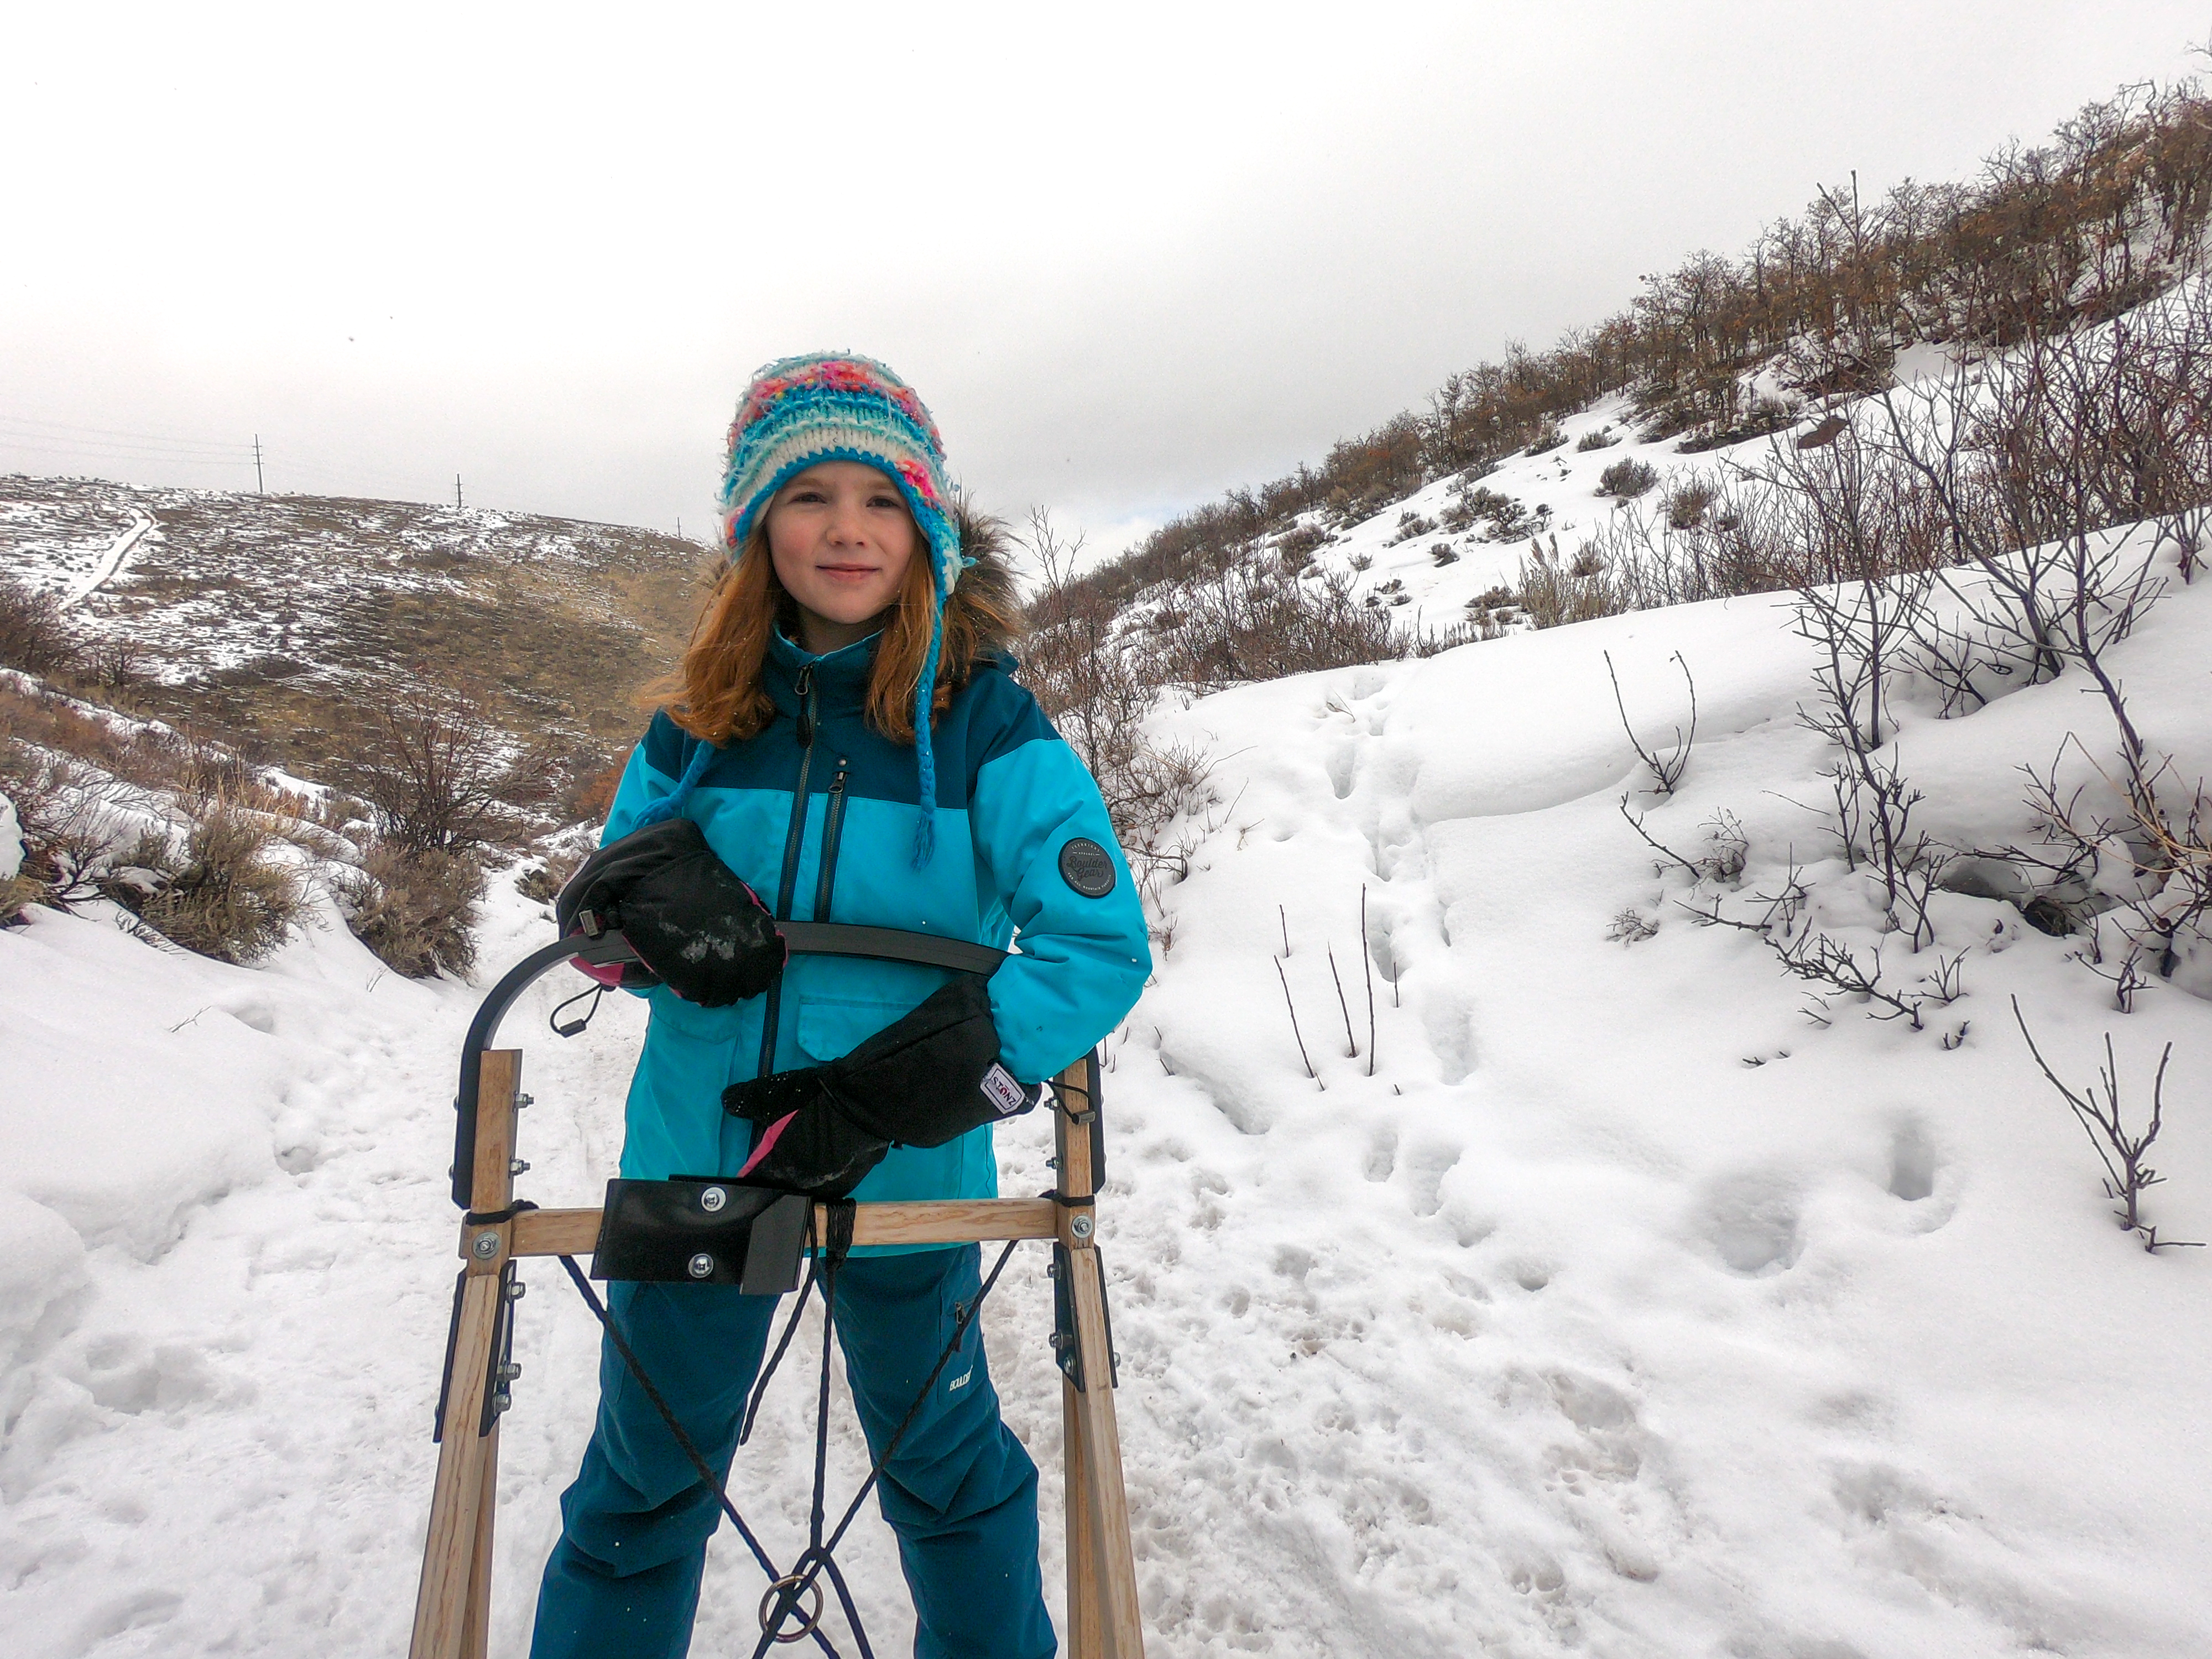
(1067, 1348)
(699, 1229)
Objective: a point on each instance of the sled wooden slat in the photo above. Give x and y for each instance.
(1085, 1638)
(475, 1626)
(449, 1555)
(1111, 1556)
(930, 1221)
(454, 1603)
(1102, 1569)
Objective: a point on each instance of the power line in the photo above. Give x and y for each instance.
(62, 431)
(8, 442)
(34, 435)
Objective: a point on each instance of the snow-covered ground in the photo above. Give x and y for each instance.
(208, 582)
(1621, 1310)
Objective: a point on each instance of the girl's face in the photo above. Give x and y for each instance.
(841, 538)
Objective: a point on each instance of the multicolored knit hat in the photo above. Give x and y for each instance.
(834, 406)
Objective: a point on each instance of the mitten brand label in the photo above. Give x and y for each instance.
(1085, 865)
(1002, 1091)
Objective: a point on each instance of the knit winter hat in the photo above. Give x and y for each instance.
(834, 406)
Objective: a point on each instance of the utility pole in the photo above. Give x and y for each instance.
(457, 490)
(679, 526)
(257, 488)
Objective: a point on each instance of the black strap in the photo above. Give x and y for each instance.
(683, 1442)
(494, 1218)
(790, 1330)
(575, 1025)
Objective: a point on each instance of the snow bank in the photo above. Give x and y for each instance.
(1623, 1308)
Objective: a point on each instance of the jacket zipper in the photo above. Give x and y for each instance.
(794, 840)
(833, 830)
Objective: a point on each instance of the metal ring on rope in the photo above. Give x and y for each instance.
(787, 1589)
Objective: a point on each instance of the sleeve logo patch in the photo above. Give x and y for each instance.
(1087, 867)
(1006, 1096)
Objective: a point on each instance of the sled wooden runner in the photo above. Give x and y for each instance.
(453, 1604)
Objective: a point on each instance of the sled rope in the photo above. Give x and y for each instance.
(818, 1560)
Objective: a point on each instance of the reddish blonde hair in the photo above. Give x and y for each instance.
(716, 692)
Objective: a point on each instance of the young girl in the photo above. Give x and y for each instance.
(847, 735)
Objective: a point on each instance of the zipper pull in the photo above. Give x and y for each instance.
(805, 689)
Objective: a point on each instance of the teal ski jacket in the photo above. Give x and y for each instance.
(817, 813)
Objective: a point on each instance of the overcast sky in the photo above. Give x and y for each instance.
(1131, 255)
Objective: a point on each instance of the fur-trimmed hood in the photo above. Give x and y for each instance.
(987, 588)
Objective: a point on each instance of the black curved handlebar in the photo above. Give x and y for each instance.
(803, 938)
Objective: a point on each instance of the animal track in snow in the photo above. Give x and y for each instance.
(1343, 763)
(1426, 1166)
(1531, 1274)
(1911, 1162)
(134, 1612)
(1382, 1156)
(124, 1376)
(1450, 1023)
(1751, 1221)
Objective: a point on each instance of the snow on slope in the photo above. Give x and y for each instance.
(1562, 482)
(1569, 1330)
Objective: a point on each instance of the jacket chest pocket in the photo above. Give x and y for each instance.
(832, 1027)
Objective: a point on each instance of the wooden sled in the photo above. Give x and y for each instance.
(453, 1601)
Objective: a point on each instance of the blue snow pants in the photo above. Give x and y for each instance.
(960, 1493)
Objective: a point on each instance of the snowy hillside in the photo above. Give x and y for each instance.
(266, 618)
(1601, 1303)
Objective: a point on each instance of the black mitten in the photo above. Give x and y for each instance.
(923, 1080)
(698, 927)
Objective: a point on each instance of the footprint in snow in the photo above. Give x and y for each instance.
(130, 1613)
(1426, 1167)
(1751, 1221)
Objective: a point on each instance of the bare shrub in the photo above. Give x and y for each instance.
(226, 897)
(1090, 684)
(1626, 478)
(116, 665)
(1247, 625)
(71, 820)
(1601, 438)
(2099, 1110)
(1629, 926)
(1666, 768)
(1685, 505)
(1553, 597)
(33, 636)
(415, 907)
(1411, 526)
(439, 775)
